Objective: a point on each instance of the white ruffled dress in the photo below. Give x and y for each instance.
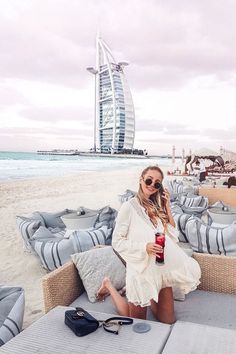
(145, 278)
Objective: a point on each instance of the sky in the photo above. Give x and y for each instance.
(181, 73)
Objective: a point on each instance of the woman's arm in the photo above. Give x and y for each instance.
(170, 217)
(166, 201)
(131, 250)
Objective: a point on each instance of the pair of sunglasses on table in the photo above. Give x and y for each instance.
(157, 185)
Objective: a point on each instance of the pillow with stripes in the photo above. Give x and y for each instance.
(106, 216)
(194, 201)
(83, 240)
(11, 312)
(205, 238)
(194, 205)
(181, 222)
(27, 228)
(54, 251)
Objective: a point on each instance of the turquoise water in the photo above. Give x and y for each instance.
(22, 165)
(9, 155)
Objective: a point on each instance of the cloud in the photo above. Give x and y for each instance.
(81, 115)
(221, 134)
(175, 49)
(166, 44)
(10, 96)
(37, 132)
(165, 128)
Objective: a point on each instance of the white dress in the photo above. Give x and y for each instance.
(145, 278)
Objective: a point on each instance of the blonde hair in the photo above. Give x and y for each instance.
(153, 204)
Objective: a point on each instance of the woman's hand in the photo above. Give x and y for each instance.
(153, 248)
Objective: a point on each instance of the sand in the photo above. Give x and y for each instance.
(22, 197)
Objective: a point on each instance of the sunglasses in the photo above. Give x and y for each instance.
(156, 185)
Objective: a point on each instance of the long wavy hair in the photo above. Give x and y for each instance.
(153, 204)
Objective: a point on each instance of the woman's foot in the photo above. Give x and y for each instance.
(103, 292)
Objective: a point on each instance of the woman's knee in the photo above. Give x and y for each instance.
(164, 309)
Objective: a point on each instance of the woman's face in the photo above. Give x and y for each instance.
(153, 175)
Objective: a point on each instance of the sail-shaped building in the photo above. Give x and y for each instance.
(115, 117)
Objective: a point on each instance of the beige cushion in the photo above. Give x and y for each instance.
(94, 265)
(186, 338)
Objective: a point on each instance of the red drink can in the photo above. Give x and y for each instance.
(160, 240)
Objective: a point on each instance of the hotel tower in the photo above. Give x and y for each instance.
(114, 125)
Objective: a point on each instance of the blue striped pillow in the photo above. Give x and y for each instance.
(27, 227)
(205, 238)
(54, 252)
(11, 313)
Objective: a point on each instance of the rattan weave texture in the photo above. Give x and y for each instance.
(63, 285)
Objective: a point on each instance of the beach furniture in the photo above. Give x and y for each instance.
(49, 334)
(226, 195)
(73, 221)
(217, 280)
(222, 215)
(12, 305)
(46, 235)
(218, 239)
(205, 320)
(193, 204)
(177, 188)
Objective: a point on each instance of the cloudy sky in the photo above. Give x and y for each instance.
(182, 71)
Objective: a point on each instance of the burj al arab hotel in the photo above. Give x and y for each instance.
(114, 123)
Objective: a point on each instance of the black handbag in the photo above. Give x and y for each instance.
(82, 323)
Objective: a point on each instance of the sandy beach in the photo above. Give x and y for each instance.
(22, 197)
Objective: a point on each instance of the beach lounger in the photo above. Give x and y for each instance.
(214, 303)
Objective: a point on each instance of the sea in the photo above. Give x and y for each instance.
(23, 165)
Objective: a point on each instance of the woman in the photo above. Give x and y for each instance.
(148, 283)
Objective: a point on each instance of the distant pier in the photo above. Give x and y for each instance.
(59, 152)
(89, 154)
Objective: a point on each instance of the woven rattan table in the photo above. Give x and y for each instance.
(50, 335)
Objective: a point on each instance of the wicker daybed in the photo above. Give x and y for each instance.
(226, 195)
(63, 285)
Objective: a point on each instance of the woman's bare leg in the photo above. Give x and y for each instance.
(164, 309)
(120, 302)
(137, 311)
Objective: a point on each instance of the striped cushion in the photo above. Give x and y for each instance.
(178, 187)
(12, 305)
(83, 240)
(27, 227)
(193, 201)
(106, 216)
(209, 239)
(54, 252)
(180, 219)
(194, 205)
